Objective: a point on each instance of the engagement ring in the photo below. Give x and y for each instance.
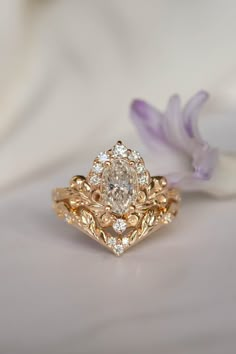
(118, 204)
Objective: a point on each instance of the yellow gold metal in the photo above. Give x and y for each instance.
(82, 203)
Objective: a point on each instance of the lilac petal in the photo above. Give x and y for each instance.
(171, 115)
(204, 162)
(174, 126)
(148, 121)
(175, 178)
(190, 114)
(185, 181)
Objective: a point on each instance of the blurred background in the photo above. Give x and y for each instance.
(68, 72)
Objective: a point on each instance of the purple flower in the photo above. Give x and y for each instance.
(177, 131)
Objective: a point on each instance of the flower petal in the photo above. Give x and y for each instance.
(204, 162)
(185, 181)
(148, 121)
(190, 114)
(174, 126)
(179, 132)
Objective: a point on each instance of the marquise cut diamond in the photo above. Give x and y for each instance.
(119, 186)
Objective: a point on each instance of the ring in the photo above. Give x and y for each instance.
(118, 204)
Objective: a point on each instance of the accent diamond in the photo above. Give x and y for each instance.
(103, 157)
(120, 150)
(111, 241)
(143, 179)
(119, 186)
(167, 218)
(68, 218)
(125, 241)
(95, 180)
(119, 249)
(140, 168)
(97, 168)
(134, 156)
(119, 226)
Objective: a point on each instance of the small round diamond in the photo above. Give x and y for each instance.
(68, 218)
(134, 156)
(111, 241)
(118, 249)
(119, 226)
(95, 180)
(125, 241)
(143, 179)
(103, 157)
(167, 218)
(120, 150)
(140, 169)
(97, 168)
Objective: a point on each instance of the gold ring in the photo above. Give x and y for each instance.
(118, 204)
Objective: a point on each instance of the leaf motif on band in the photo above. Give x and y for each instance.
(133, 236)
(147, 223)
(103, 235)
(88, 222)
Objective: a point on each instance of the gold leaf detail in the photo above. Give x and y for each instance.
(103, 235)
(133, 236)
(147, 223)
(88, 222)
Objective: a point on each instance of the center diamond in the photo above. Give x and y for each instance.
(119, 186)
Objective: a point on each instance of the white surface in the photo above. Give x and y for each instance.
(63, 293)
(79, 65)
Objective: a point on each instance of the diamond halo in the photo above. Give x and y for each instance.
(119, 173)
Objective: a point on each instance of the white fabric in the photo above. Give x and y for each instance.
(68, 71)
